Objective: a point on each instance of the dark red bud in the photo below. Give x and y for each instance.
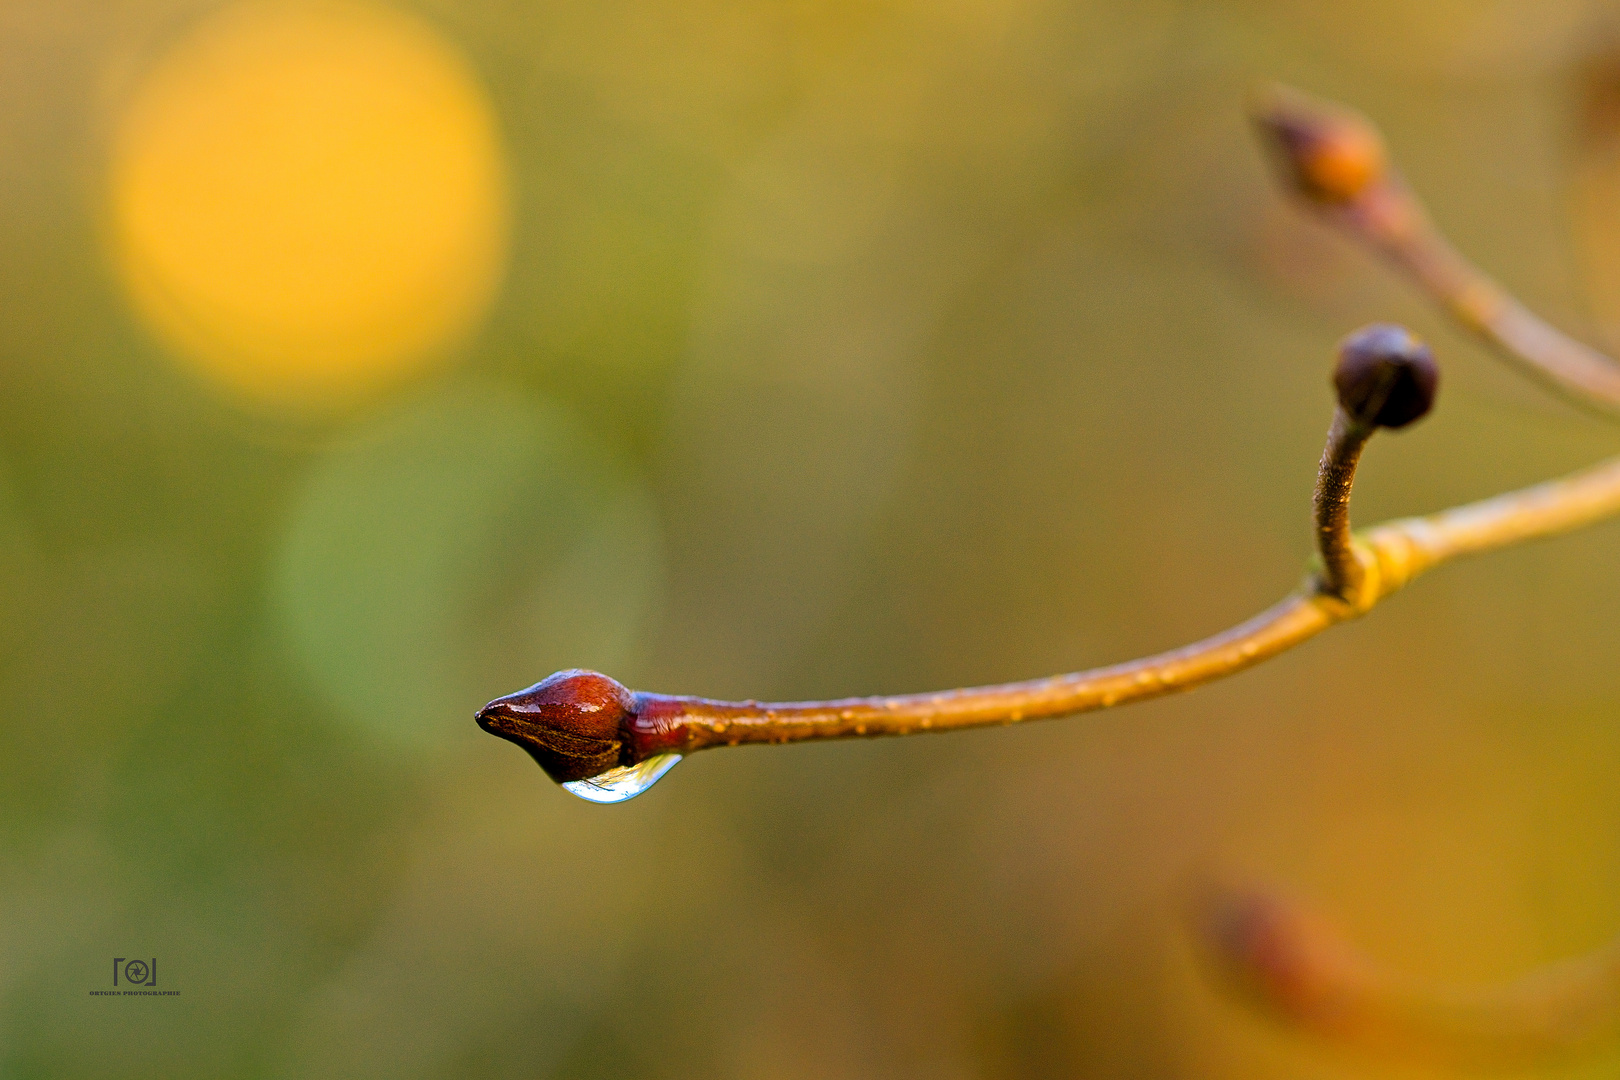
(573, 723)
(1385, 377)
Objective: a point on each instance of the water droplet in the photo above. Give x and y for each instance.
(625, 782)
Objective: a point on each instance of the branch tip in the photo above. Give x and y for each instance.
(1336, 161)
(1330, 154)
(573, 723)
(1385, 376)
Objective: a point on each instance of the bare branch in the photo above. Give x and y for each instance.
(576, 723)
(1336, 160)
(1281, 957)
(606, 743)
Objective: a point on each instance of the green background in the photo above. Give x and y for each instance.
(844, 348)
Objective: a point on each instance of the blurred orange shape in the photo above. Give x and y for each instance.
(1283, 958)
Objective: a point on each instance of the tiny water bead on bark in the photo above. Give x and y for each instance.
(1385, 376)
(1331, 154)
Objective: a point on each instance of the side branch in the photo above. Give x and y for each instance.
(1336, 160)
(1341, 570)
(1281, 957)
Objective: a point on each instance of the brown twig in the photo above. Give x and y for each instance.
(1341, 569)
(582, 727)
(1281, 957)
(1336, 160)
(581, 724)
(1384, 378)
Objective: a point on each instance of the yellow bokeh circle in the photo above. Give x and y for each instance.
(308, 199)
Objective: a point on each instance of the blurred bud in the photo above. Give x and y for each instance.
(1330, 154)
(1385, 377)
(1278, 954)
(572, 723)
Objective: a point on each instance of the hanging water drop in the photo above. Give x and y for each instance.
(624, 782)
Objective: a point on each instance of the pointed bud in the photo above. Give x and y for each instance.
(572, 723)
(1385, 377)
(1279, 953)
(1330, 154)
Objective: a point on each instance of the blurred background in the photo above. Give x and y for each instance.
(360, 363)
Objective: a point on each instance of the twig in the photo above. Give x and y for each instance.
(1341, 569)
(1384, 378)
(1336, 160)
(1281, 957)
(579, 724)
(583, 727)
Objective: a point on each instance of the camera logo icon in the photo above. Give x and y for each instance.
(135, 972)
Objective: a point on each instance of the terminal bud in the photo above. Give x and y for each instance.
(572, 723)
(1330, 154)
(1385, 376)
(1280, 955)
